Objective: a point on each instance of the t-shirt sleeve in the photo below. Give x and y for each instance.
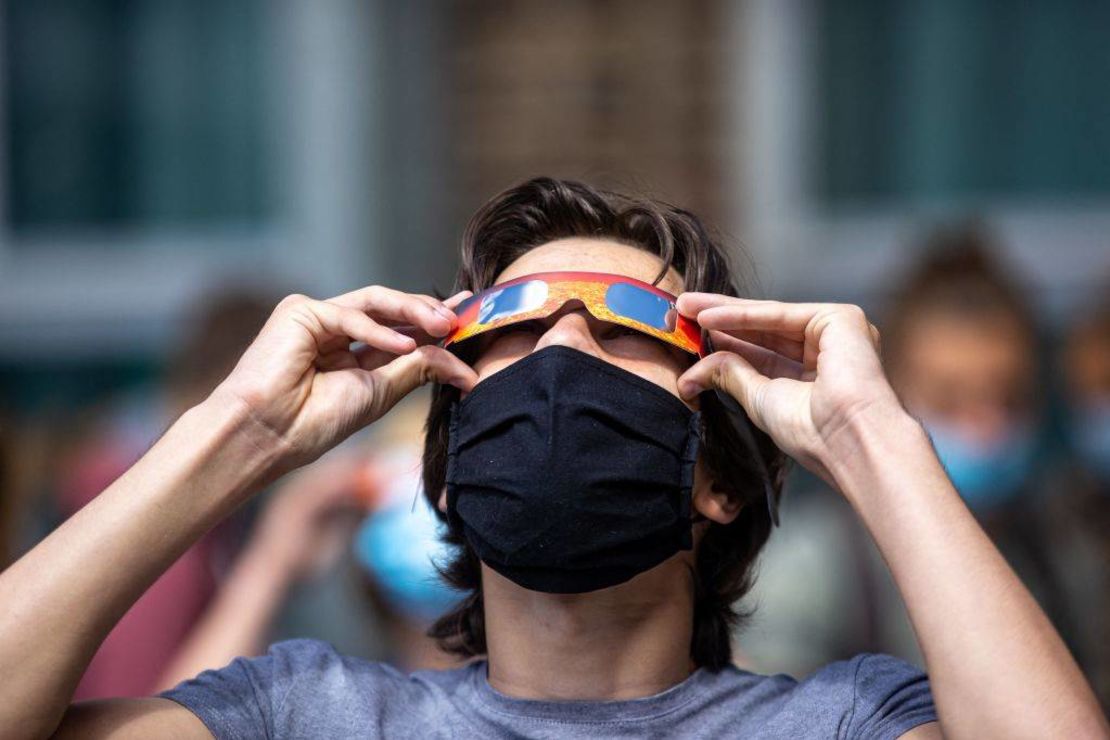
(891, 697)
(241, 699)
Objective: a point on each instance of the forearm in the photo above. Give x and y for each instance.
(236, 623)
(996, 665)
(61, 599)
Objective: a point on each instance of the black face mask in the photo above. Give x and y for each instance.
(569, 474)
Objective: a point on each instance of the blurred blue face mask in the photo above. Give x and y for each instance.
(1090, 432)
(987, 474)
(399, 543)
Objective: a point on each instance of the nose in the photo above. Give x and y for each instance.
(570, 327)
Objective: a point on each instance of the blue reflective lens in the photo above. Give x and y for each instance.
(641, 305)
(515, 299)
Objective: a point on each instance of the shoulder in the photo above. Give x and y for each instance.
(315, 661)
(295, 667)
(869, 696)
(886, 696)
(306, 688)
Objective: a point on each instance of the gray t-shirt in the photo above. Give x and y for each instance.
(305, 689)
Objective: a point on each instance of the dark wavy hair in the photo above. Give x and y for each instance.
(543, 210)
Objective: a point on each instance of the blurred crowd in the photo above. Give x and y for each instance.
(346, 550)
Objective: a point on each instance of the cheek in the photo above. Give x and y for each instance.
(502, 352)
(488, 366)
(498, 357)
(658, 363)
(664, 377)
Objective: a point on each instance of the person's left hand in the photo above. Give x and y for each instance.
(802, 371)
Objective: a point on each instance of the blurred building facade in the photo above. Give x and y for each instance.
(151, 150)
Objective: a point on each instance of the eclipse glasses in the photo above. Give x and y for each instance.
(614, 298)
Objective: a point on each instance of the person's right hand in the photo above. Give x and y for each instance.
(301, 380)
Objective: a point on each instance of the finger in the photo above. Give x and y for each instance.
(692, 303)
(388, 305)
(432, 301)
(765, 361)
(727, 372)
(454, 301)
(327, 320)
(422, 337)
(450, 303)
(787, 346)
(789, 318)
(369, 358)
(398, 378)
(418, 335)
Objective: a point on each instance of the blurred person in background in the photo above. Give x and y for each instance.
(961, 347)
(960, 343)
(1080, 514)
(632, 548)
(142, 645)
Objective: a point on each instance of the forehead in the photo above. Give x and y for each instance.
(593, 255)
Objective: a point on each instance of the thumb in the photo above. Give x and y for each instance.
(730, 373)
(396, 379)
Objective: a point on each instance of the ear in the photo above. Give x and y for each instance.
(441, 504)
(711, 501)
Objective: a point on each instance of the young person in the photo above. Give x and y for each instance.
(583, 455)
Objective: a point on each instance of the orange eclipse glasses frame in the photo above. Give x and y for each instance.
(617, 299)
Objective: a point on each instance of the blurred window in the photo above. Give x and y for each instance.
(941, 99)
(121, 114)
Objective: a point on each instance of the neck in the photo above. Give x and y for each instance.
(624, 642)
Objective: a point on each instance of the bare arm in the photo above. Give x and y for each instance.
(299, 390)
(809, 375)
